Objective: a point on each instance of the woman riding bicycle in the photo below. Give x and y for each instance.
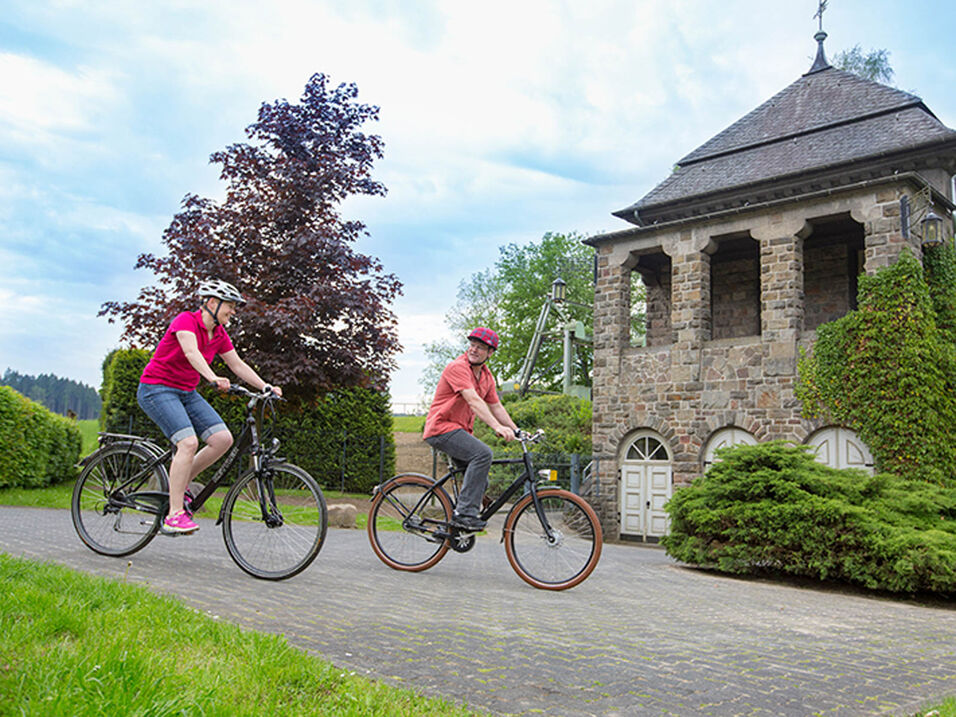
(167, 391)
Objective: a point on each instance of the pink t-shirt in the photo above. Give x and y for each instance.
(449, 411)
(169, 365)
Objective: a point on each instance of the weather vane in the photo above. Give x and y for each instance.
(819, 12)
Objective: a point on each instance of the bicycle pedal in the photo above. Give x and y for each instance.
(439, 536)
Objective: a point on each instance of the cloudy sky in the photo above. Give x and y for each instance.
(502, 120)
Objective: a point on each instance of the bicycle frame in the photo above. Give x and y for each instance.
(157, 501)
(526, 478)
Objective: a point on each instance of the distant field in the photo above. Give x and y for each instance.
(88, 429)
(408, 424)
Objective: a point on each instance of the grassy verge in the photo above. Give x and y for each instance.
(88, 431)
(408, 424)
(78, 645)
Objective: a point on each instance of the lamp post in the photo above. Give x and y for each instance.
(559, 291)
(931, 227)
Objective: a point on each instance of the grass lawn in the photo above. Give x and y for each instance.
(408, 424)
(73, 644)
(88, 430)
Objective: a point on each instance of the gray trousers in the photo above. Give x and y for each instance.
(464, 448)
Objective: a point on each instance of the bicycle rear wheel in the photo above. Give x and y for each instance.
(401, 525)
(563, 561)
(111, 522)
(274, 523)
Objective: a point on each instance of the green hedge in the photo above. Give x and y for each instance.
(37, 447)
(121, 413)
(566, 421)
(772, 507)
(344, 432)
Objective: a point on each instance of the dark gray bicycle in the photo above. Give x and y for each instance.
(273, 516)
(552, 537)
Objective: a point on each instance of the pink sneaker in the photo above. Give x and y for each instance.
(179, 524)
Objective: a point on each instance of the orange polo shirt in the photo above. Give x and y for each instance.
(449, 411)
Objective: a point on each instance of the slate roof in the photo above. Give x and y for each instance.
(826, 119)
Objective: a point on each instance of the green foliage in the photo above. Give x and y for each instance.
(121, 413)
(939, 265)
(74, 644)
(874, 65)
(37, 447)
(887, 370)
(509, 297)
(772, 507)
(566, 421)
(347, 430)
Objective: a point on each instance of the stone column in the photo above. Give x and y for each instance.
(690, 305)
(781, 292)
(611, 336)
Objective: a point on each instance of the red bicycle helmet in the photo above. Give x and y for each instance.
(486, 336)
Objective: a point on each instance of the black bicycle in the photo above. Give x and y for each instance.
(552, 537)
(273, 516)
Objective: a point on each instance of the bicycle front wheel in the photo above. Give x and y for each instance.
(274, 522)
(569, 555)
(402, 522)
(115, 522)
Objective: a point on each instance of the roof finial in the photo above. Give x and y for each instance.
(820, 11)
(821, 62)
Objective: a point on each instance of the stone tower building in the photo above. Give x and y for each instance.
(755, 240)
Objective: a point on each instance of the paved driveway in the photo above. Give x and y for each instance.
(642, 636)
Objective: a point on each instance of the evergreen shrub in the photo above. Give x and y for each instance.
(37, 446)
(773, 508)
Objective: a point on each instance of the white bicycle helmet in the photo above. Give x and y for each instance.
(219, 289)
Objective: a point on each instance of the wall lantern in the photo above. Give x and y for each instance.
(559, 290)
(931, 227)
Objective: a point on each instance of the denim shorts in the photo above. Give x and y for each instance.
(178, 413)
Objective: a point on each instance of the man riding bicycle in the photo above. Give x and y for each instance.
(467, 389)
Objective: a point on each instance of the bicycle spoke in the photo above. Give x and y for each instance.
(114, 527)
(564, 558)
(275, 526)
(401, 524)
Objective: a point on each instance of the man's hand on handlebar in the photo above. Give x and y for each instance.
(505, 432)
(222, 384)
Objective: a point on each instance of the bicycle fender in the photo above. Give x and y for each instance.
(381, 486)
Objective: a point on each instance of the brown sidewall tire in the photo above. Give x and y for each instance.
(524, 503)
(406, 479)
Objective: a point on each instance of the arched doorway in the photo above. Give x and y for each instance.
(646, 478)
(840, 447)
(730, 436)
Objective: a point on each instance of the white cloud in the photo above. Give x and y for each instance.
(38, 99)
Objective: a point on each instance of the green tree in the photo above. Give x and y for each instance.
(873, 65)
(508, 298)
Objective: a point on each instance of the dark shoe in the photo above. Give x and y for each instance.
(468, 522)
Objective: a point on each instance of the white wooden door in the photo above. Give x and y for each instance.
(645, 488)
(841, 448)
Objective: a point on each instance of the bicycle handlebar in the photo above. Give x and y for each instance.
(236, 389)
(526, 437)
